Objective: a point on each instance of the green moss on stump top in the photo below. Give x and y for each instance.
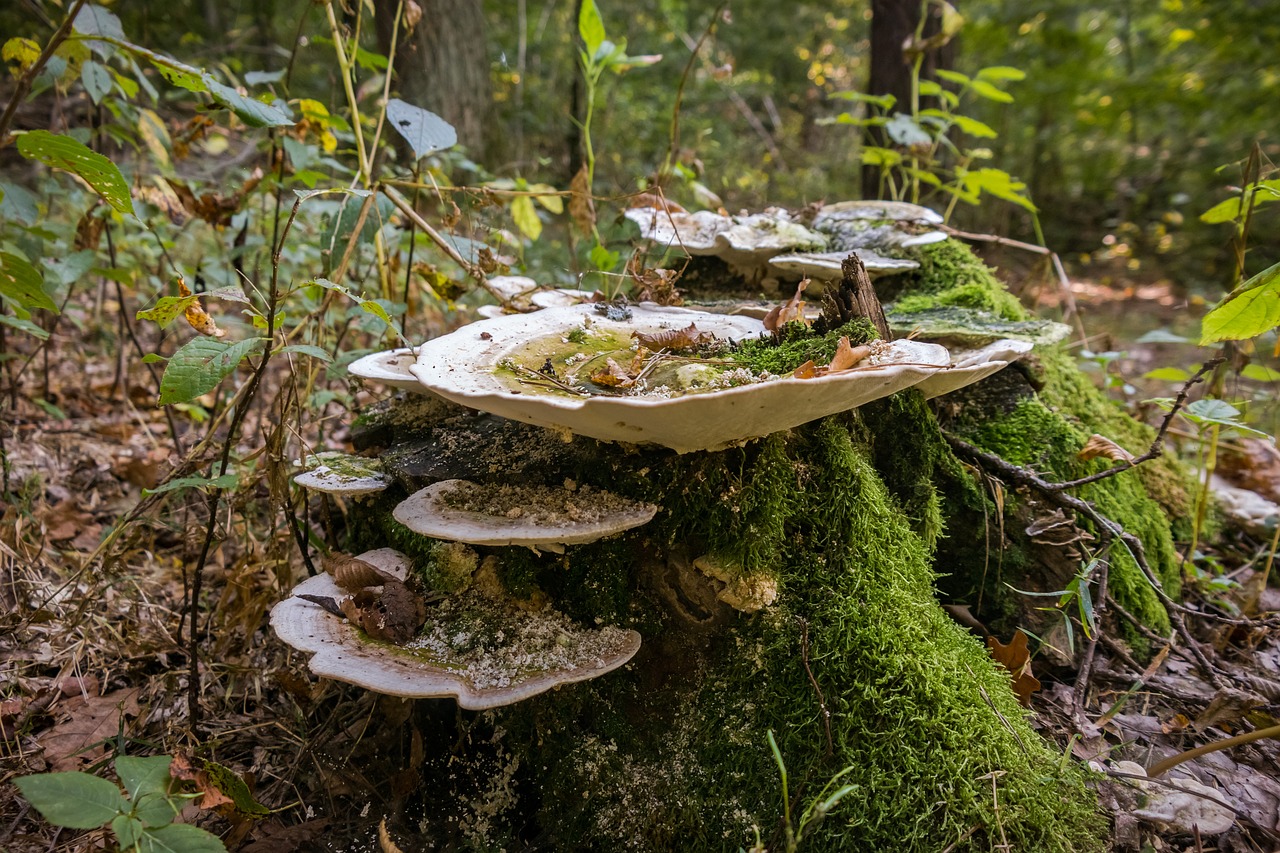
(951, 275)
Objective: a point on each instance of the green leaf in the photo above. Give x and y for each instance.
(971, 126)
(200, 365)
(167, 309)
(19, 204)
(179, 838)
(425, 131)
(94, 20)
(63, 152)
(1214, 412)
(953, 77)
(983, 89)
(97, 81)
(590, 27)
(127, 829)
(1248, 311)
(306, 349)
(526, 217)
(884, 102)
(22, 284)
(251, 111)
(226, 481)
(1229, 210)
(873, 156)
(603, 258)
(1168, 374)
(372, 306)
(1000, 184)
(21, 51)
(1001, 73)
(73, 800)
(229, 782)
(22, 324)
(1260, 373)
(144, 775)
(50, 409)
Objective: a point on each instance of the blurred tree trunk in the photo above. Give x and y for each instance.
(442, 64)
(892, 23)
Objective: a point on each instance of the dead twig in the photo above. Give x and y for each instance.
(822, 700)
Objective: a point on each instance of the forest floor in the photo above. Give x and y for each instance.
(93, 662)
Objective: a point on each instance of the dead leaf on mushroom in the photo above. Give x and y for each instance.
(352, 573)
(675, 340)
(1100, 445)
(394, 615)
(1017, 659)
(612, 376)
(791, 310)
(847, 356)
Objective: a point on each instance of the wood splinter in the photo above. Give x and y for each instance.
(854, 298)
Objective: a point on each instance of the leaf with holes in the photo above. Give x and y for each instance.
(166, 309)
(425, 131)
(63, 152)
(22, 284)
(200, 365)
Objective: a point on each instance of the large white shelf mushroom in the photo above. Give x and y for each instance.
(537, 516)
(537, 652)
(973, 365)
(828, 266)
(466, 367)
(390, 368)
(882, 225)
(342, 474)
(744, 242)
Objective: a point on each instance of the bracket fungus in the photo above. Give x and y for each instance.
(515, 366)
(886, 226)
(484, 653)
(540, 517)
(744, 242)
(390, 368)
(826, 266)
(343, 474)
(973, 365)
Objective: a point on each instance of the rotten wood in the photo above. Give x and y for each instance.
(854, 298)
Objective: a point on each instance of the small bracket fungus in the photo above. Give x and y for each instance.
(540, 517)
(972, 327)
(972, 365)
(482, 653)
(534, 368)
(343, 474)
(826, 266)
(390, 368)
(745, 243)
(887, 226)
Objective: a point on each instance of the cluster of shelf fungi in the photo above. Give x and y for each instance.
(487, 647)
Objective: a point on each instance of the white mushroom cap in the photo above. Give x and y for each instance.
(342, 653)
(428, 512)
(464, 367)
(826, 266)
(853, 224)
(511, 287)
(342, 474)
(973, 365)
(390, 368)
(742, 241)
(879, 211)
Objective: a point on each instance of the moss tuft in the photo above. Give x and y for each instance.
(796, 344)
(950, 274)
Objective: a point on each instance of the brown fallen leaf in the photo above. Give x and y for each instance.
(196, 316)
(78, 740)
(187, 768)
(582, 207)
(1017, 659)
(808, 370)
(612, 376)
(394, 615)
(64, 520)
(275, 837)
(675, 340)
(791, 310)
(352, 573)
(847, 356)
(1100, 445)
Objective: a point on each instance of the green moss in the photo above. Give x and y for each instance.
(796, 344)
(950, 274)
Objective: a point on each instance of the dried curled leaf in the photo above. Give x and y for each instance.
(1100, 445)
(197, 316)
(654, 285)
(847, 356)
(675, 340)
(791, 310)
(808, 370)
(1017, 659)
(352, 573)
(612, 376)
(393, 615)
(582, 207)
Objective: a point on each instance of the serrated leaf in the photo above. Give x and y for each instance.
(22, 284)
(526, 217)
(226, 481)
(590, 27)
(63, 152)
(306, 349)
(1250, 310)
(425, 131)
(179, 838)
(73, 800)
(200, 365)
(167, 309)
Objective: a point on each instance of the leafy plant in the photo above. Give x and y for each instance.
(141, 817)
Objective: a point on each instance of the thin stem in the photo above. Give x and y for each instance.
(24, 82)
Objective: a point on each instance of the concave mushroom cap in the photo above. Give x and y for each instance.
(343, 474)
(341, 652)
(428, 512)
(879, 211)
(885, 225)
(463, 367)
(742, 241)
(390, 368)
(826, 266)
(971, 327)
(973, 365)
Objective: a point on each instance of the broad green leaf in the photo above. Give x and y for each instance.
(953, 77)
(1260, 373)
(229, 782)
(1226, 211)
(374, 307)
(94, 20)
(551, 201)
(63, 152)
(1167, 374)
(603, 258)
(873, 156)
(1001, 73)
(226, 481)
(971, 126)
(144, 775)
(20, 51)
(127, 829)
(425, 131)
(1250, 310)
(258, 78)
(251, 111)
(179, 838)
(983, 89)
(306, 349)
(1214, 412)
(22, 284)
(1000, 184)
(167, 309)
(200, 365)
(182, 76)
(19, 204)
(22, 324)
(884, 102)
(590, 27)
(73, 800)
(526, 217)
(97, 81)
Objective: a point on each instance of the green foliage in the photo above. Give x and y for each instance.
(1250, 310)
(795, 344)
(141, 818)
(63, 152)
(199, 365)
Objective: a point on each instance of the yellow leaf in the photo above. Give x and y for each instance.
(197, 316)
(526, 217)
